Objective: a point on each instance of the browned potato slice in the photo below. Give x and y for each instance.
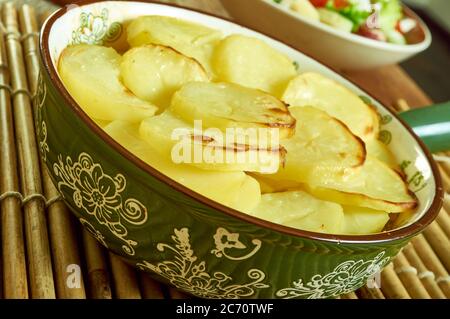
(91, 75)
(321, 143)
(313, 89)
(234, 189)
(155, 72)
(165, 133)
(191, 39)
(374, 185)
(227, 105)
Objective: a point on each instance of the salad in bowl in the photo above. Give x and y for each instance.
(347, 34)
(381, 20)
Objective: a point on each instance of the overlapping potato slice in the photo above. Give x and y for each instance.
(227, 105)
(313, 89)
(191, 39)
(321, 143)
(361, 221)
(91, 75)
(234, 189)
(101, 123)
(374, 185)
(203, 148)
(251, 62)
(155, 72)
(379, 150)
(300, 210)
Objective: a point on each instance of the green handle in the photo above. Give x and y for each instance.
(432, 125)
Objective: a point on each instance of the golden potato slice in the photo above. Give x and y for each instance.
(91, 75)
(233, 189)
(191, 39)
(227, 105)
(374, 185)
(321, 143)
(155, 72)
(253, 63)
(362, 221)
(270, 185)
(379, 150)
(101, 123)
(312, 89)
(300, 210)
(206, 149)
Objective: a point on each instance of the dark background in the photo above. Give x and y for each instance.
(431, 68)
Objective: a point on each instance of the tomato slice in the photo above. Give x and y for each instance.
(319, 3)
(340, 4)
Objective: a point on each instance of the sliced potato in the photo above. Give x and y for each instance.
(271, 185)
(320, 144)
(101, 123)
(91, 75)
(253, 63)
(227, 105)
(155, 72)
(233, 189)
(300, 210)
(191, 39)
(374, 185)
(305, 8)
(313, 89)
(203, 148)
(379, 150)
(361, 221)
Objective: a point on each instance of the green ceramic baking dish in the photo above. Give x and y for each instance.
(181, 237)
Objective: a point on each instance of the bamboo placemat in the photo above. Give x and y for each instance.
(43, 245)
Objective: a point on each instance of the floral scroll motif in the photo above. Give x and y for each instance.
(100, 195)
(345, 278)
(223, 240)
(94, 29)
(188, 273)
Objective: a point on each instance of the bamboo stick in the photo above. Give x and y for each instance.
(432, 262)
(370, 293)
(408, 276)
(444, 221)
(440, 243)
(38, 250)
(150, 289)
(391, 285)
(350, 295)
(13, 247)
(426, 276)
(62, 235)
(124, 277)
(98, 283)
(446, 183)
(176, 294)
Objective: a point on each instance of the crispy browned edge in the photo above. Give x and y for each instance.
(393, 235)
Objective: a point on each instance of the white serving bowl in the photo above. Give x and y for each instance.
(345, 51)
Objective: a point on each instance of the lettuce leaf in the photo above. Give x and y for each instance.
(391, 12)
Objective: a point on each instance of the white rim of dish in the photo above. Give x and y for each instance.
(360, 39)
